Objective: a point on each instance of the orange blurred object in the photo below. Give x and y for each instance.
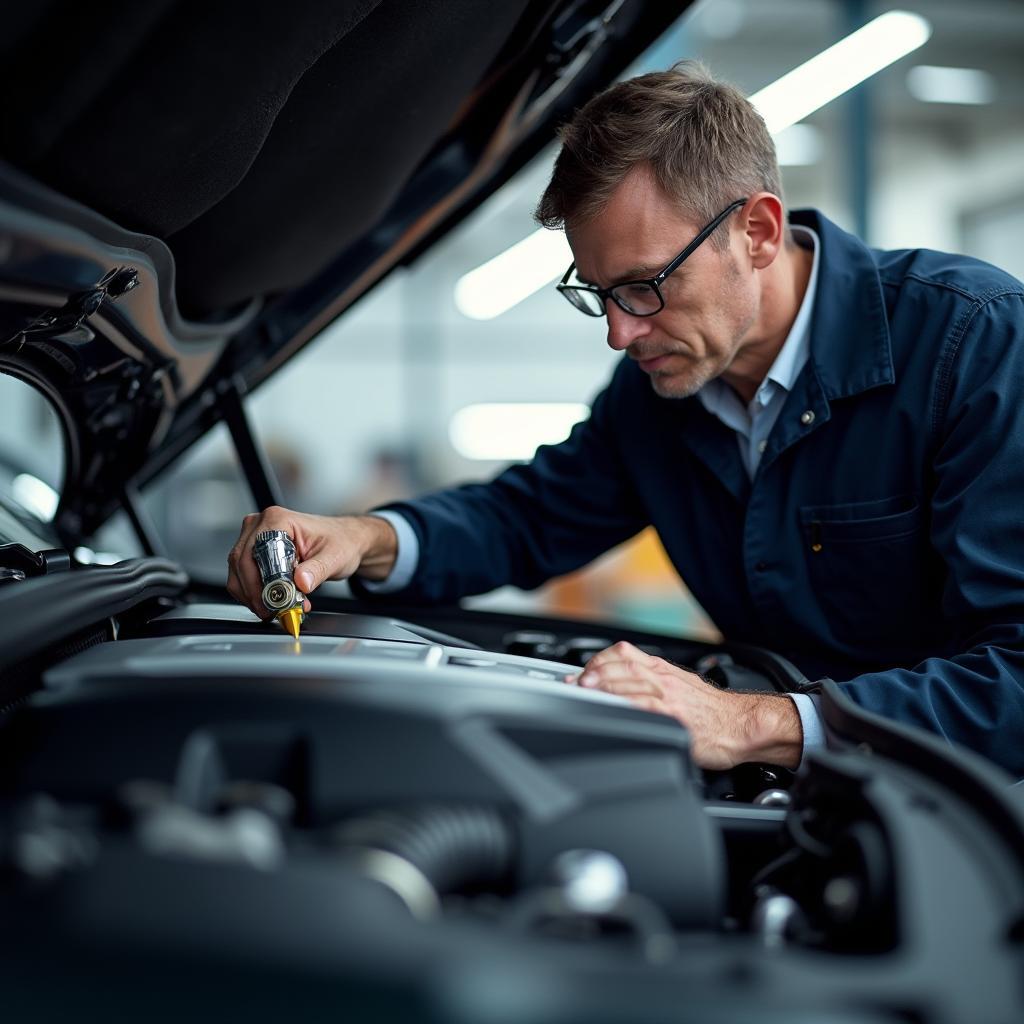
(636, 585)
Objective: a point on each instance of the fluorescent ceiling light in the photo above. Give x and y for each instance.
(502, 282)
(932, 84)
(798, 145)
(838, 69)
(35, 496)
(512, 431)
(86, 556)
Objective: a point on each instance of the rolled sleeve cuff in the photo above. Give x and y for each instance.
(406, 561)
(810, 722)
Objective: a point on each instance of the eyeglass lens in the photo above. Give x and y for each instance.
(637, 297)
(585, 301)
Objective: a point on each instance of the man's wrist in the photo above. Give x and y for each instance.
(379, 547)
(771, 730)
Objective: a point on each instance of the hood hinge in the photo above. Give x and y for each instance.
(79, 307)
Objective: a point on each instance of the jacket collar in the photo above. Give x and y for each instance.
(851, 350)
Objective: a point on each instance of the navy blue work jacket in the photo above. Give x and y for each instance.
(881, 541)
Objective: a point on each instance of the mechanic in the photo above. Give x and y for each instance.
(829, 440)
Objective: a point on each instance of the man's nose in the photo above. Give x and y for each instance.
(623, 329)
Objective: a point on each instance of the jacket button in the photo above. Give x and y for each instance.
(807, 417)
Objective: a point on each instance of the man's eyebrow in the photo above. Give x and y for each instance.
(646, 271)
(641, 273)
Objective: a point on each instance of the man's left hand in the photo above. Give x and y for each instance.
(726, 728)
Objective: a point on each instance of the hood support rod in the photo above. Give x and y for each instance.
(142, 523)
(253, 460)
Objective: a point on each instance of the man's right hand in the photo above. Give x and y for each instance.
(326, 548)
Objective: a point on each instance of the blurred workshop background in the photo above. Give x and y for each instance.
(469, 359)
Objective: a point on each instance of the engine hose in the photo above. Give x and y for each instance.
(451, 847)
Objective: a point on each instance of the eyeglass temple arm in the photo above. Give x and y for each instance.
(700, 239)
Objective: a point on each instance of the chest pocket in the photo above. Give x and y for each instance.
(867, 566)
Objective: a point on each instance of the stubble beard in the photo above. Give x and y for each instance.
(687, 383)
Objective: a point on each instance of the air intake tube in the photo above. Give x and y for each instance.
(425, 851)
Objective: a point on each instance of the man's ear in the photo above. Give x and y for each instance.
(764, 228)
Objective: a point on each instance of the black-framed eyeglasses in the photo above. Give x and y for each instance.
(638, 298)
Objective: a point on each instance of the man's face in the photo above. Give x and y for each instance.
(710, 303)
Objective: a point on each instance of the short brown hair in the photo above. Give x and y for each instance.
(702, 140)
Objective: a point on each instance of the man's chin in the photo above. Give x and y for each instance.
(677, 385)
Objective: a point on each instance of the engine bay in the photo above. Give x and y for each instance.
(385, 817)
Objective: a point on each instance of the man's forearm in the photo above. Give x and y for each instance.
(726, 728)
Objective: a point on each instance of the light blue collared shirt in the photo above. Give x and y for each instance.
(752, 423)
(405, 561)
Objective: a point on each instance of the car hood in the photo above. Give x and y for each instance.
(186, 200)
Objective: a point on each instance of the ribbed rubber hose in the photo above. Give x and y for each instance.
(453, 847)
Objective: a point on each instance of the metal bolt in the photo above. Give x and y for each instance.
(842, 898)
(772, 798)
(592, 881)
(775, 916)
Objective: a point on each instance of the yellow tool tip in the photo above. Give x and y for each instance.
(291, 620)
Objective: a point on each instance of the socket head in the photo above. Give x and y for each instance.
(279, 594)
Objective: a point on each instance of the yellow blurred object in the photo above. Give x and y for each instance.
(291, 620)
(637, 576)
